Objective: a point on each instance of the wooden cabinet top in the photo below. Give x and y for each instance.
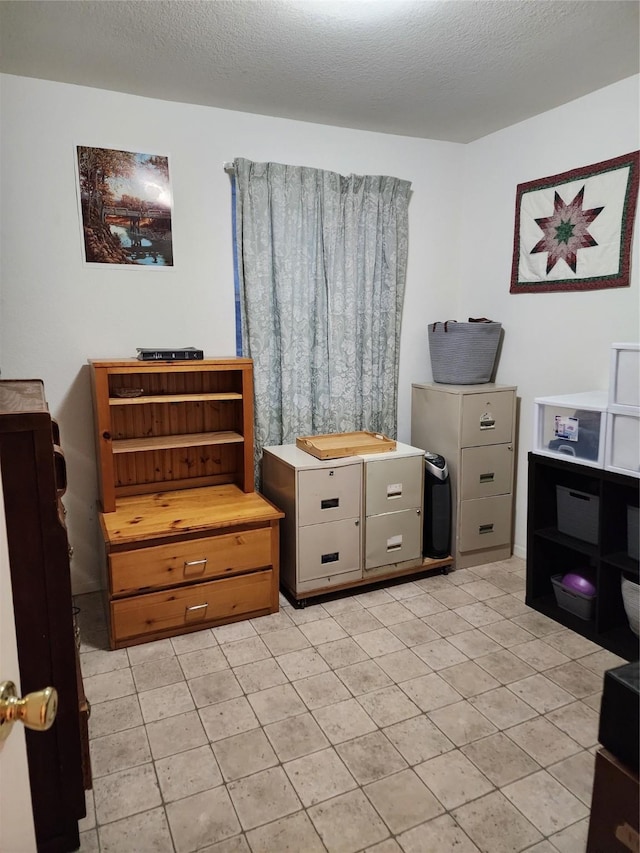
(18, 396)
(141, 518)
(222, 363)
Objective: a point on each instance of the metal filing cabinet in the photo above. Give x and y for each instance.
(348, 521)
(473, 427)
(393, 490)
(321, 532)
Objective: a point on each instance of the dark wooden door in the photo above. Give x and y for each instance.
(40, 576)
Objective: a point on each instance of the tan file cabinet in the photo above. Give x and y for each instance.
(321, 532)
(473, 427)
(348, 521)
(393, 493)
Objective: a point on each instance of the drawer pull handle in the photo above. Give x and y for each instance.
(394, 543)
(487, 478)
(485, 528)
(330, 503)
(190, 567)
(487, 423)
(580, 496)
(394, 490)
(330, 558)
(195, 612)
(60, 467)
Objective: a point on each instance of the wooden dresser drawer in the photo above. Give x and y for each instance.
(191, 607)
(191, 560)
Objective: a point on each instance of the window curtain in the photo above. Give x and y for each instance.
(321, 264)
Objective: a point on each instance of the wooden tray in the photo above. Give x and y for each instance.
(339, 444)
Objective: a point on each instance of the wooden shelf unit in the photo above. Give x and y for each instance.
(191, 425)
(189, 544)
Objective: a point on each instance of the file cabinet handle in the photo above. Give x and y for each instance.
(333, 557)
(330, 503)
(485, 528)
(394, 543)
(489, 477)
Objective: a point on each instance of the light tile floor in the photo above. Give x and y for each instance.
(426, 717)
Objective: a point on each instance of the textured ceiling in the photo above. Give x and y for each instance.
(453, 70)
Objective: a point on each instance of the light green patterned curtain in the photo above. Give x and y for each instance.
(321, 261)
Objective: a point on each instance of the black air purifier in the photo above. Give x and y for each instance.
(436, 519)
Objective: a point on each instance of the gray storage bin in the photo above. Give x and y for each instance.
(464, 353)
(578, 514)
(575, 602)
(633, 532)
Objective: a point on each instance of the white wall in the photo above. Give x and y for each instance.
(56, 313)
(555, 343)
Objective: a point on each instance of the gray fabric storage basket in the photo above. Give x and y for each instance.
(463, 353)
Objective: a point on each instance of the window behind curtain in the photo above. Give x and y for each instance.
(320, 261)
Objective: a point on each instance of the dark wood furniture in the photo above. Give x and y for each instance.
(615, 806)
(551, 552)
(34, 479)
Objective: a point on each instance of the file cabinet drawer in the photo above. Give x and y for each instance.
(329, 494)
(485, 523)
(487, 418)
(393, 538)
(393, 485)
(193, 560)
(190, 607)
(328, 549)
(486, 471)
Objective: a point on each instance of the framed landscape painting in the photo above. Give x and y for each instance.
(125, 208)
(573, 231)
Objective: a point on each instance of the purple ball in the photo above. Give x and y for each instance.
(579, 583)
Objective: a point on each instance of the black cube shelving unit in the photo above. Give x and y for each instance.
(551, 552)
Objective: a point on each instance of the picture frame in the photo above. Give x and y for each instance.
(573, 231)
(125, 208)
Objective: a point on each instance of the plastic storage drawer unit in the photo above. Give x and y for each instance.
(622, 451)
(624, 378)
(571, 427)
(578, 514)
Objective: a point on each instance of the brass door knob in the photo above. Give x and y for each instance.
(36, 710)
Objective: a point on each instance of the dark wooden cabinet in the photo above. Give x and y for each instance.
(34, 480)
(551, 552)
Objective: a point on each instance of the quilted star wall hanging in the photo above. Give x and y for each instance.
(573, 231)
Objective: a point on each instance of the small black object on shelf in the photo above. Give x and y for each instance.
(166, 354)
